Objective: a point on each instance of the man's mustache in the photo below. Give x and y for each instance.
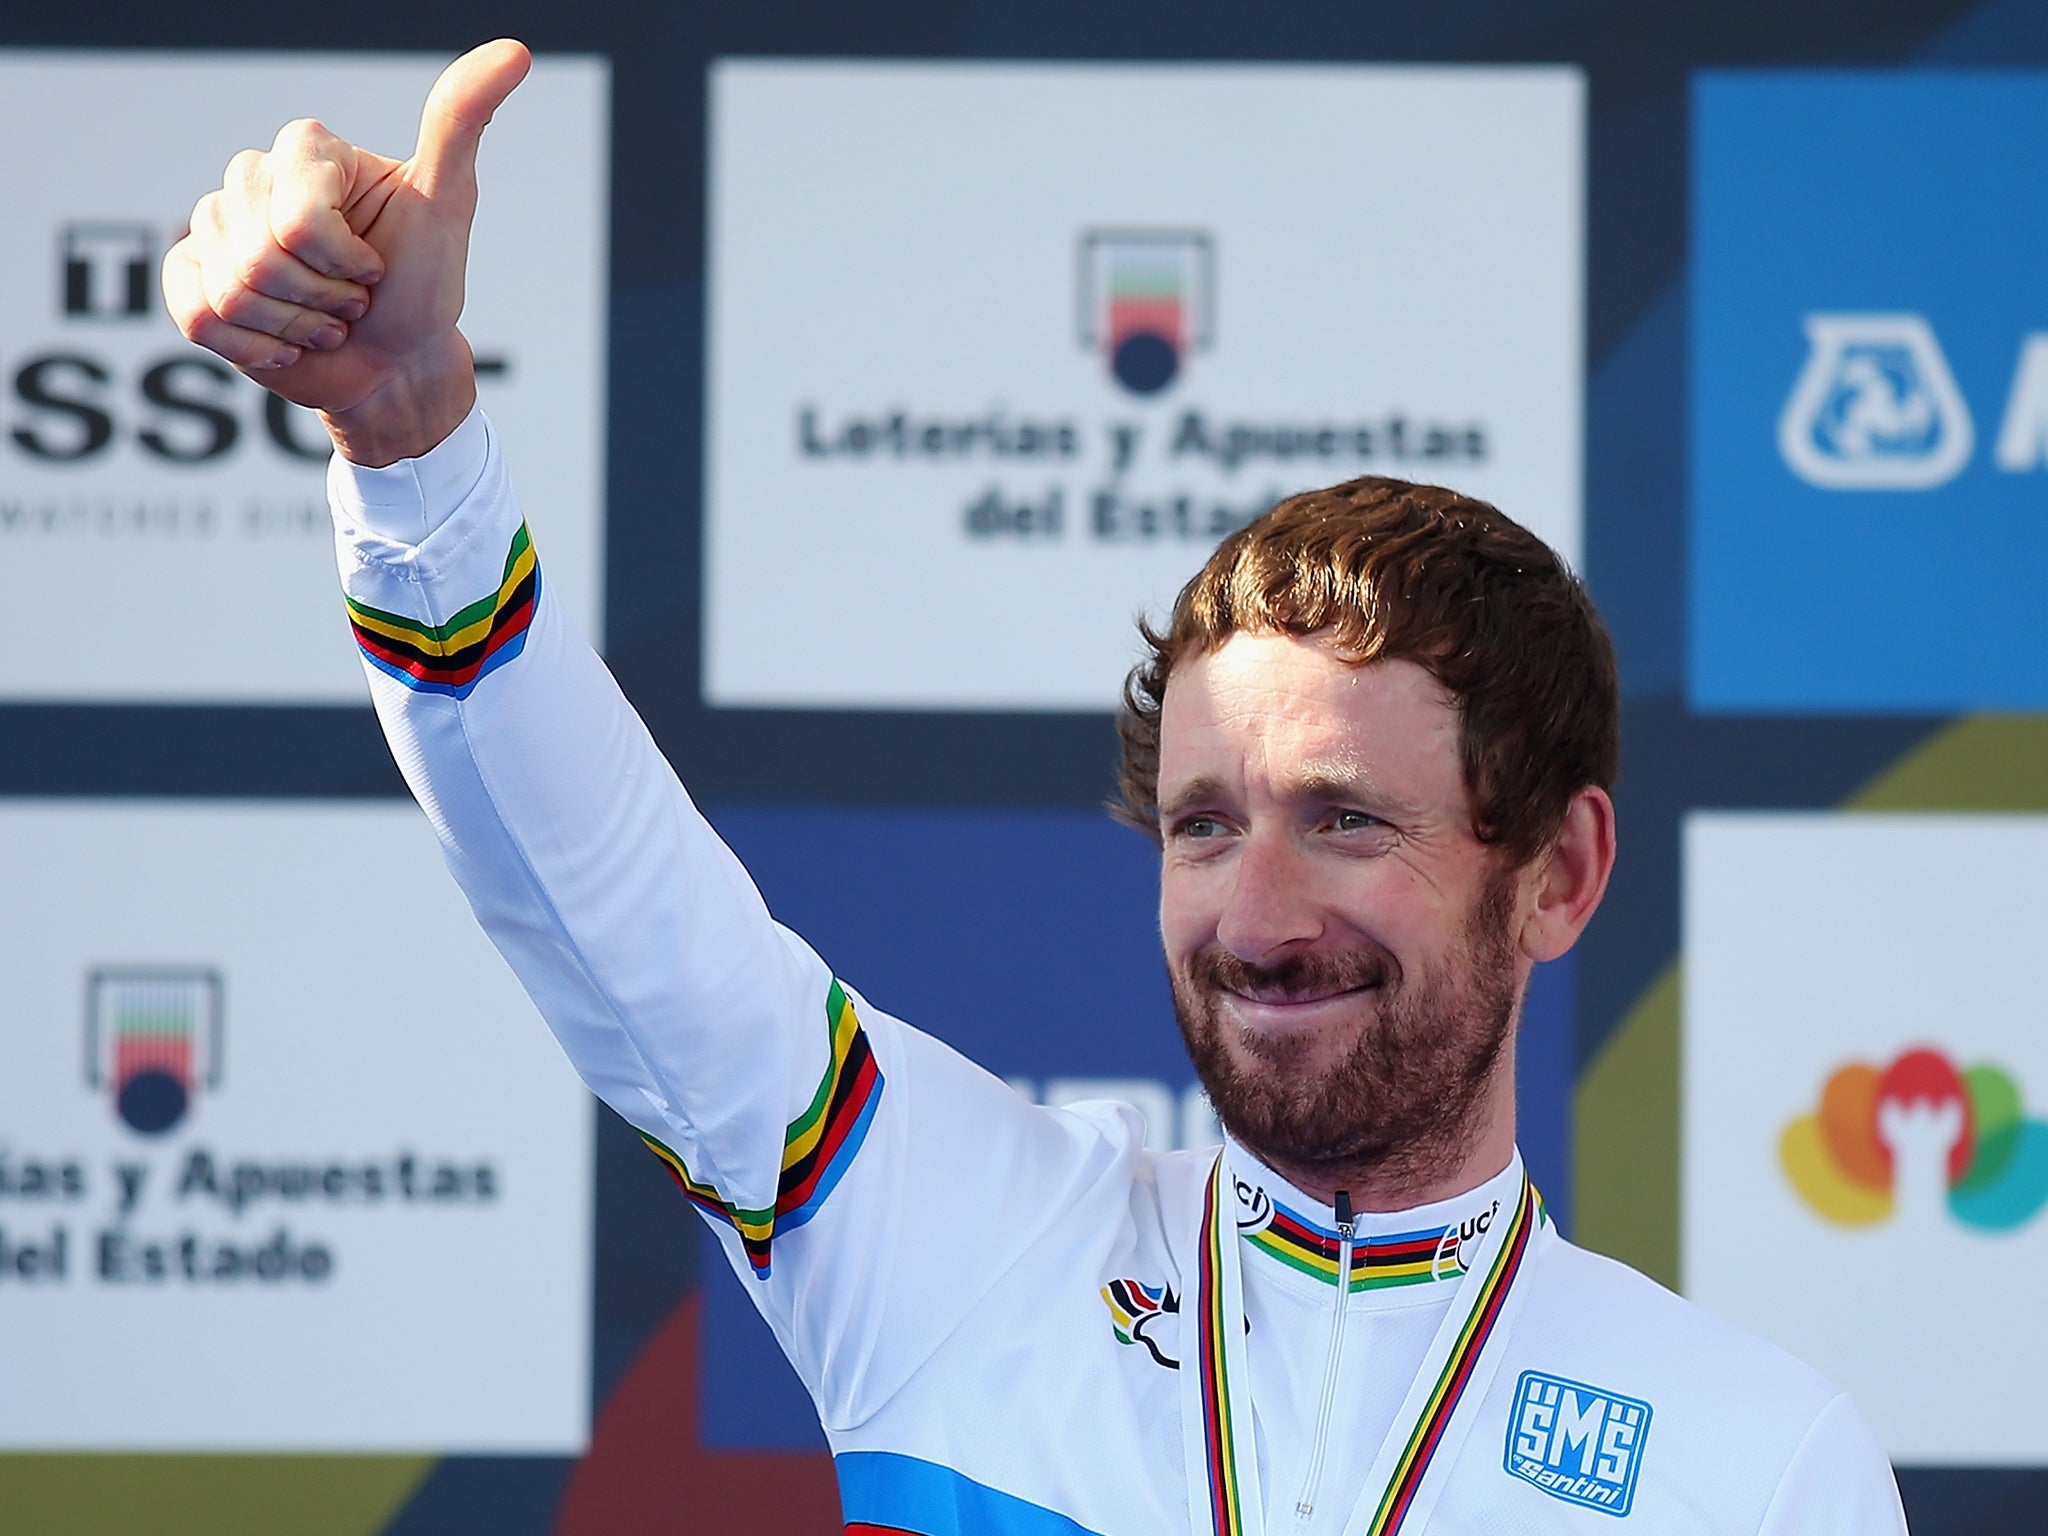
(1296, 978)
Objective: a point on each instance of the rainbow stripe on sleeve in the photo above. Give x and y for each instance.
(816, 1149)
(451, 658)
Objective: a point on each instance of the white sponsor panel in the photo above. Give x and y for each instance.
(287, 1161)
(999, 352)
(1865, 1145)
(163, 525)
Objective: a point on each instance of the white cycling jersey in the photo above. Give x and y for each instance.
(1017, 1321)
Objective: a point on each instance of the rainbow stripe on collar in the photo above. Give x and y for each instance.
(1226, 1511)
(1377, 1261)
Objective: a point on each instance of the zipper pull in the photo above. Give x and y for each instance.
(1346, 1219)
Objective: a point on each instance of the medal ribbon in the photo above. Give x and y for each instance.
(1479, 1314)
(1224, 1481)
(1216, 1407)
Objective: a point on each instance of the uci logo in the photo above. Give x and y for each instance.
(1451, 1249)
(1477, 1226)
(1254, 1206)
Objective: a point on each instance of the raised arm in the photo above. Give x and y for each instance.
(816, 1134)
(333, 275)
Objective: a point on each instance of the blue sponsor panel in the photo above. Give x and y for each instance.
(1869, 412)
(1030, 941)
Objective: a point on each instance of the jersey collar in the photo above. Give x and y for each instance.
(1395, 1254)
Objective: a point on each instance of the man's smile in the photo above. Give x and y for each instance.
(1306, 997)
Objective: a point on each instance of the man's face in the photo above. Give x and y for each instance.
(1340, 944)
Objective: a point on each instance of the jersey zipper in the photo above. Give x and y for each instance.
(1305, 1506)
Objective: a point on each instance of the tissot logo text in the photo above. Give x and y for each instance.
(109, 270)
(95, 388)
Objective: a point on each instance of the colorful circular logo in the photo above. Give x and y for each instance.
(1877, 1126)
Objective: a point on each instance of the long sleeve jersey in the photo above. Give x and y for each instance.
(1015, 1320)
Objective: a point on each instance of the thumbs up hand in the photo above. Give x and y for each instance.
(334, 276)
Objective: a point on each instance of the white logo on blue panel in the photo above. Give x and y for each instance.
(1578, 1443)
(1875, 408)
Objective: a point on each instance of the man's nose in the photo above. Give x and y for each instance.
(1271, 908)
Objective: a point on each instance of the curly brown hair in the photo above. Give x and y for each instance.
(1384, 570)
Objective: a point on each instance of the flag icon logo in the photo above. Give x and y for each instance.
(153, 1038)
(1919, 1131)
(1146, 300)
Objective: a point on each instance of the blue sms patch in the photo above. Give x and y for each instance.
(1577, 1443)
(1869, 393)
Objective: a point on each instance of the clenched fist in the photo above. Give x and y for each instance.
(334, 276)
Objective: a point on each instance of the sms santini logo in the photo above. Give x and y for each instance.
(1919, 1134)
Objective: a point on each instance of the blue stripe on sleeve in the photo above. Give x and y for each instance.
(883, 1488)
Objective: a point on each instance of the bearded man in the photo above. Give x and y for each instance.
(1375, 743)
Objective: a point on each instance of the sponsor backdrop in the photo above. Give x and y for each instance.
(938, 397)
(1864, 1069)
(257, 1136)
(140, 479)
(1870, 393)
(865, 372)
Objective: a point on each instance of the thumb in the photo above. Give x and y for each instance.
(458, 107)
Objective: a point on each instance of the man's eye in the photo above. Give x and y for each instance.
(1198, 826)
(1354, 821)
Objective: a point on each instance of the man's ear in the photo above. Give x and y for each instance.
(1566, 883)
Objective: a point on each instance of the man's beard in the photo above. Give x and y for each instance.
(1397, 1105)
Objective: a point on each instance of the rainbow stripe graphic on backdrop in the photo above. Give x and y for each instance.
(1146, 301)
(1991, 1158)
(452, 658)
(153, 1037)
(817, 1147)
